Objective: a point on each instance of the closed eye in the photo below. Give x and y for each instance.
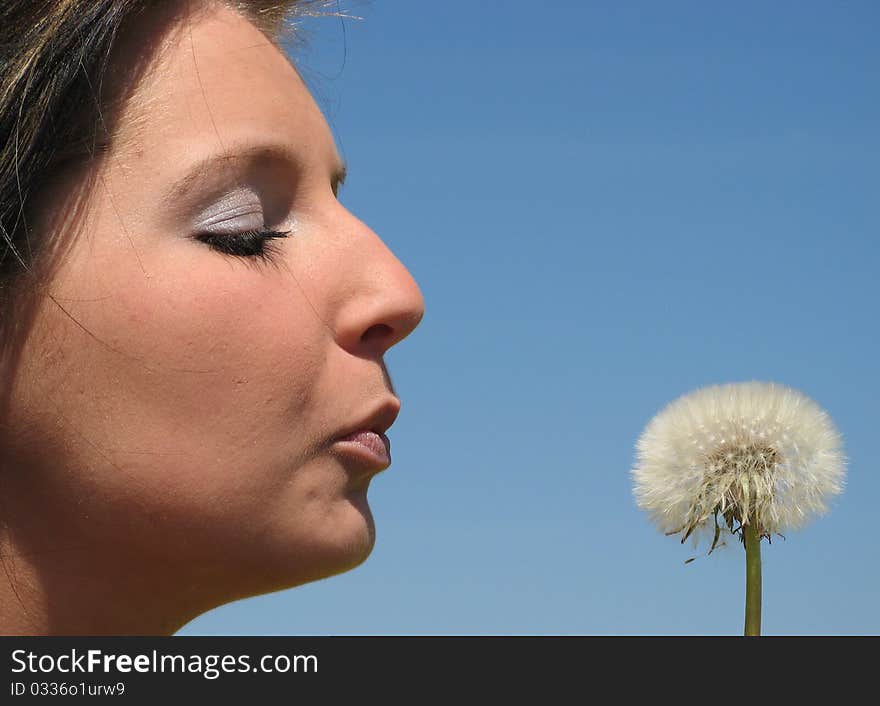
(247, 244)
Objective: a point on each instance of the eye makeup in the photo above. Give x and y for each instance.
(234, 211)
(235, 225)
(254, 173)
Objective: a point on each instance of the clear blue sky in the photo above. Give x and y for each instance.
(607, 205)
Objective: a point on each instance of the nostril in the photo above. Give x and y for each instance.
(377, 331)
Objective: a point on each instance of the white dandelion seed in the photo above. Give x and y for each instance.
(754, 453)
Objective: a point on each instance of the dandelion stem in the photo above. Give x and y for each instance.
(752, 542)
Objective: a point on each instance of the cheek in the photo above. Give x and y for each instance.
(212, 350)
(170, 317)
(188, 400)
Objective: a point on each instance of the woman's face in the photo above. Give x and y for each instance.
(175, 409)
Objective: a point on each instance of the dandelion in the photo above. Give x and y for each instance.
(749, 459)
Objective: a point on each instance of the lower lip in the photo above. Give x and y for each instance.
(368, 447)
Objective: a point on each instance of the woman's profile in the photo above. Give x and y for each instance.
(194, 398)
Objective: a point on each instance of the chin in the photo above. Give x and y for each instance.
(350, 544)
(269, 565)
(343, 542)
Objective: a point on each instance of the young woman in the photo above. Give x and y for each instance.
(194, 398)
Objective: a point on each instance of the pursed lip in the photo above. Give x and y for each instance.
(377, 420)
(368, 447)
(365, 442)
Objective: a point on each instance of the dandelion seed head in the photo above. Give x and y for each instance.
(747, 453)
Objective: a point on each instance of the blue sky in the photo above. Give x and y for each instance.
(607, 205)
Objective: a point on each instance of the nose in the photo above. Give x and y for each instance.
(381, 304)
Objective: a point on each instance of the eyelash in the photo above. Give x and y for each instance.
(249, 244)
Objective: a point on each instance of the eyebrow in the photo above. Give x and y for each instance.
(210, 167)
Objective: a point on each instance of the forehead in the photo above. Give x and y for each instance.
(214, 80)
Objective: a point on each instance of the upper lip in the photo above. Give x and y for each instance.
(378, 420)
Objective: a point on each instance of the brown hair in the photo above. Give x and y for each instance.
(54, 115)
